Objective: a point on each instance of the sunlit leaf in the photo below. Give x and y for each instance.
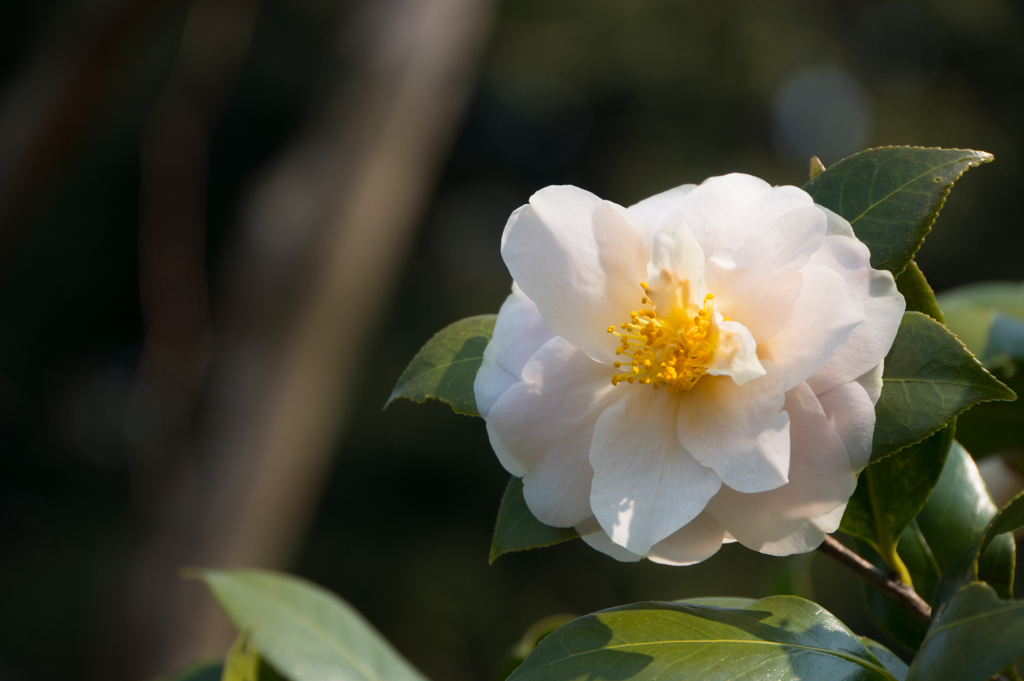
(444, 369)
(928, 379)
(781, 637)
(518, 530)
(972, 639)
(1009, 519)
(892, 195)
(306, 632)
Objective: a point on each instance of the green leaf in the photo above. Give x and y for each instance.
(518, 530)
(445, 368)
(968, 566)
(975, 637)
(1009, 519)
(928, 379)
(530, 640)
(197, 671)
(306, 632)
(918, 292)
(892, 491)
(892, 195)
(952, 525)
(781, 637)
(952, 522)
(894, 664)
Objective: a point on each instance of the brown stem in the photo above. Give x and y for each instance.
(896, 590)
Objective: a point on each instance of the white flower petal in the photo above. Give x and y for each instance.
(541, 429)
(852, 414)
(646, 486)
(883, 310)
(594, 535)
(724, 211)
(736, 354)
(758, 284)
(581, 261)
(763, 301)
(661, 209)
(491, 382)
(821, 480)
(518, 334)
(698, 540)
(824, 318)
(872, 382)
(739, 431)
(837, 225)
(676, 272)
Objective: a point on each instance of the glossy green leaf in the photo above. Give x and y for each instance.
(952, 521)
(976, 561)
(518, 530)
(444, 369)
(306, 632)
(781, 637)
(1009, 519)
(956, 516)
(928, 379)
(918, 292)
(892, 491)
(198, 671)
(892, 195)
(895, 665)
(972, 639)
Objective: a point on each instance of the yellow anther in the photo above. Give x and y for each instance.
(667, 352)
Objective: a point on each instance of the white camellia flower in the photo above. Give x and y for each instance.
(696, 369)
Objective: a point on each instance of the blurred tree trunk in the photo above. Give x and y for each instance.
(320, 247)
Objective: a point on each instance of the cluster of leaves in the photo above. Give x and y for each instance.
(920, 512)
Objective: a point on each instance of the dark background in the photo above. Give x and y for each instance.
(623, 98)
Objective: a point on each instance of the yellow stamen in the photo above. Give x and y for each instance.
(671, 352)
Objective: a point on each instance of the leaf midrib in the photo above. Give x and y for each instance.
(966, 620)
(904, 186)
(778, 644)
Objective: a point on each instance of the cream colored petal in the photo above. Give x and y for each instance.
(581, 261)
(518, 333)
(594, 535)
(646, 486)
(736, 354)
(698, 540)
(883, 311)
(675, 274)
(821, 479)
(825, 316)
(852, 414)
(739, 431)
(542, 429)
(661, 209)
(723, 212)
(758, 283)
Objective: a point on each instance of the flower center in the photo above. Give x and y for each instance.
(663, 351)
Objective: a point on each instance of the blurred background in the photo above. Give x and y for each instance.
(227, 225)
